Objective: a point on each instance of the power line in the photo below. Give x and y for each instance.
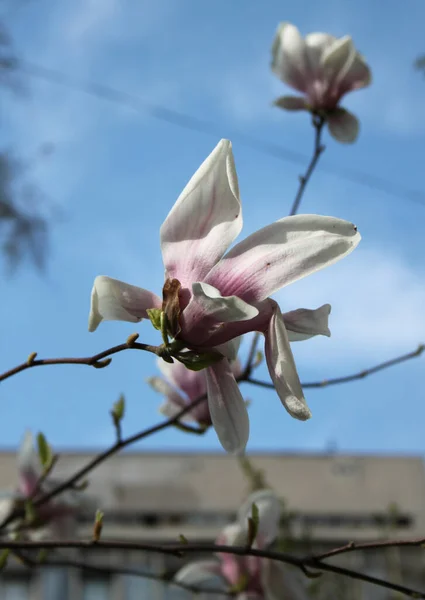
(185, 121)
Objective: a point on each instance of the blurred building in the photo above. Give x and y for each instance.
(331, 499)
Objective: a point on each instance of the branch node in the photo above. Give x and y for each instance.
(31, 358)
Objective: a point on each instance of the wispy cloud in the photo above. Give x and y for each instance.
(377, 308)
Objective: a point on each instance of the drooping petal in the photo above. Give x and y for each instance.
(205, 219)
(343, 125)
(223, 309)
(230, 350)
(282, 253)
(113, 300)
(269, 511)
(289, 57)
(29, 465)
(199, 573)
(280, 581)
(302, 324)
(291, 103)
(282, 369)
(228, 411)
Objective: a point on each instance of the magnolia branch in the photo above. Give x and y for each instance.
(353, 377)
(179, 550)
(318, 123)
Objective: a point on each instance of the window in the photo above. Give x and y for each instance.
(55, 584)
(96, 588)
(15, 589)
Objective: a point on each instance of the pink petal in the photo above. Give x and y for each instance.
(228, 411)
(205, 220)
(302, 324)
(113, 300)
(192, 383)
(282, 369)
(222, 309)
(282, 253)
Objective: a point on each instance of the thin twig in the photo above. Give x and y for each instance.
(92, 361)
(318, 123)
(347, 378)
(354, 547)
(182, 549)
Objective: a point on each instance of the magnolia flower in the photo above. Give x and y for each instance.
(181, 386)
(54, 518)
(210, 298)
(323, 68)
(252, 577)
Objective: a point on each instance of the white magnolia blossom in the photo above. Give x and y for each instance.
(222, 294)
(323, 68)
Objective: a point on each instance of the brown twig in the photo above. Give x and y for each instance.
(318, 123)
(188, 548)
(92, 361)
(347, 378)
(354, 547)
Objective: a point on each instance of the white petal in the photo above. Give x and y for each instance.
(282, 253)
(199, 573)
(29, 465)
(233, 535)
(337, 55)
(316, 44)
(288, 57)
(227, 407)
(291, 103)
(205, 220)
(113, 300)
(343, 125)
(302, 324)
(269, 512)
(224, 309)
(282, 369)
(6, 506)
(280, 581)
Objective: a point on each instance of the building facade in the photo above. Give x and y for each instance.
(330, 499)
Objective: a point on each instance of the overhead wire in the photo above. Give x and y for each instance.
(190, 122)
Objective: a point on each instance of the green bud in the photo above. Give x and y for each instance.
(44, 451)
(154, 315)
(118, 409)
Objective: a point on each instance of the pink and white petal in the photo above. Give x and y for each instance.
(336, 56)
(280, 581)
(302, 324)
(359, 74)
(230, 350)
(205, 219)
(232, 535)
(199, 573)
(173, 403)
(228, 411)
(192, 383)
(291, 103)
(29, 465)
(289, 57)
(222, 309)
(282, 369)
(113, 300)
(282, 253)
(316, 44)
(343, 125)
(269, 512)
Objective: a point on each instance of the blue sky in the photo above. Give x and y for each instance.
(115, 173)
